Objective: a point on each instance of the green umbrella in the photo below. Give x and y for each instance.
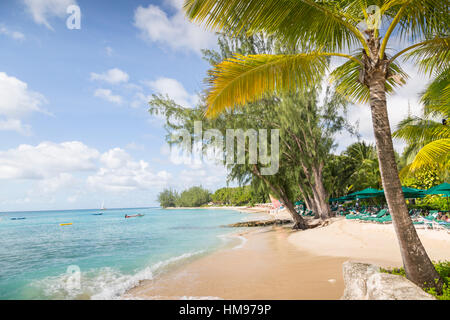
(366, 193)
(413, 193)
(443, 189)
(299, 202)
(345, 198)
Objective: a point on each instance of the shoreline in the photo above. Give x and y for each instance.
(262, 266)
(242, 209)
(279, 263)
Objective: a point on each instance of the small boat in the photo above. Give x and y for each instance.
(97, 214)
(133, 216)
(66, 224)
(18, 218)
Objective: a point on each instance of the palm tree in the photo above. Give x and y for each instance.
(333, 29)
(367, 172)
(428, 137)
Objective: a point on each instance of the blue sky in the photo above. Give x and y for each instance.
(74, 127)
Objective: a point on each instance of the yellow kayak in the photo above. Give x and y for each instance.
(65, 224)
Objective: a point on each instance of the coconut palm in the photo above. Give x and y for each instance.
(428, 137)
(347, 29)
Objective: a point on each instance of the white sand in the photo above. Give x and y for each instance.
(367, 242)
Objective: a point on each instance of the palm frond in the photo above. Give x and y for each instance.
(417, 19)
(415, 130)
(244, 79)
(432, 56)
(432, 153)
(436, 97)
(329, 25)
(346, 77)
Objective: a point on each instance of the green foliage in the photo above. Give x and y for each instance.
(432, 202)
(442, 268)
(238, 196)
(168, 198)
(193, 197)
(424, 178)
(355, 169)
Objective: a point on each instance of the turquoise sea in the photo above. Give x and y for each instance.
(101, 256)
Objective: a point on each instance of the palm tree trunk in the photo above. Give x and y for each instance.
(418, 266)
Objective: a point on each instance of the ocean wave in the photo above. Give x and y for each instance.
(101, 284)
(243, 241)
(230, 236)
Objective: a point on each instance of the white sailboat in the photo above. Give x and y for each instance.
(103, 205)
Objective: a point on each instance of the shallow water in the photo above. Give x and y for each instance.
(39, 259)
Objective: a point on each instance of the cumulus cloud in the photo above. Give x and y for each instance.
(112, 76)
(209, 177)
(174, 31)
(46, 160)
(16, 35)
(16, 102)
(174, 89)
(53, 184)
(42, 10)
(119, 172)
(15, 125)
(107, 95)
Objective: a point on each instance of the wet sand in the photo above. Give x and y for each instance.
(266, 266)
(278, 263)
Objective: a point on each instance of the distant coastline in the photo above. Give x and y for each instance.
(245, 209)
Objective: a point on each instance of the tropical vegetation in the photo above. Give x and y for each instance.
(192, 197)
(358, 31)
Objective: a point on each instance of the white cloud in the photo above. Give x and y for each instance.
(51, 185)
(175, 90)
(16, 102)
(119, 172)
(46, 160)
(42, 10)
(175, 31)
(16, 35)
(15, 125)
(107, 95)
(112, 76)
(209, 177)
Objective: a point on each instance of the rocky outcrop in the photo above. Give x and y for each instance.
(366, 282)
(260, 223)
(311, 223)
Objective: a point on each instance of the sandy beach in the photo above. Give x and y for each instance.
(367, 242)
(266, 266)
(278, 263)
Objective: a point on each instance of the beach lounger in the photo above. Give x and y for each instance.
(380, 214)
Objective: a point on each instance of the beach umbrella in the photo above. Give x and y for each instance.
(366, 193)
(413, 193)
(443, 189)
(345, 198)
